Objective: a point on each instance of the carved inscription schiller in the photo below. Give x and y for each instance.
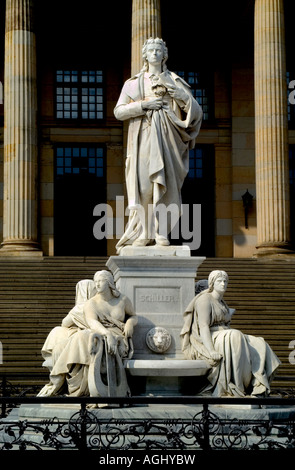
(157, 299)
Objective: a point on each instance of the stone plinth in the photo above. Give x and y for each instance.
(160, 282)
(160, 288)
(155, 250)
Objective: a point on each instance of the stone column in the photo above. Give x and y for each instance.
(271, 129)
(146, 23)
(20, 132)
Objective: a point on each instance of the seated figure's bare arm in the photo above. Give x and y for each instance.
(91, 318)
(131, 318)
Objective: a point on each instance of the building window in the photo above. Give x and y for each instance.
(80, 160)
(196, 163)
(200, 91)
(79, 94)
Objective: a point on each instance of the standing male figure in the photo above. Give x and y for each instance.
(164, 121)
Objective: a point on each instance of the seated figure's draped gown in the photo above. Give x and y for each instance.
(67, 349)
(248, 363)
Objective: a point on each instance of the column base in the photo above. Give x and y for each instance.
(20, 248)
(274, 250)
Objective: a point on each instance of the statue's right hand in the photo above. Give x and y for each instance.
(215, 355)
(154, 104)
(111, 344)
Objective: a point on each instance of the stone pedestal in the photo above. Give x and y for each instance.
(160, 287)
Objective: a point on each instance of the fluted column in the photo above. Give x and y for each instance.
(20, 131)
(271, 129)
(146, 23)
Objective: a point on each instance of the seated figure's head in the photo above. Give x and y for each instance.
(215, 277)
(104, 279)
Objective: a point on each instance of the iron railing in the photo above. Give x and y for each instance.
(87, 429)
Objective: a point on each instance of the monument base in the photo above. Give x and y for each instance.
(156, 250)
(160, 288)
(156, 427)
(160, 282)
(156, 411)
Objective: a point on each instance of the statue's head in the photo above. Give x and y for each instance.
(150, 43)
(105, 278)
(215, 276)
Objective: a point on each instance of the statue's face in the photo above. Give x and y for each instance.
(220, 285)
(101, 284)
(155, 53)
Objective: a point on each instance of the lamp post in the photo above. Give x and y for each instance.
(247, 203)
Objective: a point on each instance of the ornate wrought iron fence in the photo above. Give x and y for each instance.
(86, 429)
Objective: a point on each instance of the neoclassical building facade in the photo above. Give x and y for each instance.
(62, 150)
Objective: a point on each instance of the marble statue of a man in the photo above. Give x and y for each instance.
(164, 121)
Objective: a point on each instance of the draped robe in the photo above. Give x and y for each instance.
(248, 364)
(171, 134)
(67, 350)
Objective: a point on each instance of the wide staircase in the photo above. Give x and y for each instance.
(36, 294)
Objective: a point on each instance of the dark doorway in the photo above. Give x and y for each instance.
(199, 188)
(80, 184)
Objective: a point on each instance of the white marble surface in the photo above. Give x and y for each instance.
(166, 367)
(164, 121)
(155, 250)
(160, 288)
(171, 411)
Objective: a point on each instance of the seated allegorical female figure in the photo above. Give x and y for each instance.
(67, 350)
(241, 364)
(74, 321)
